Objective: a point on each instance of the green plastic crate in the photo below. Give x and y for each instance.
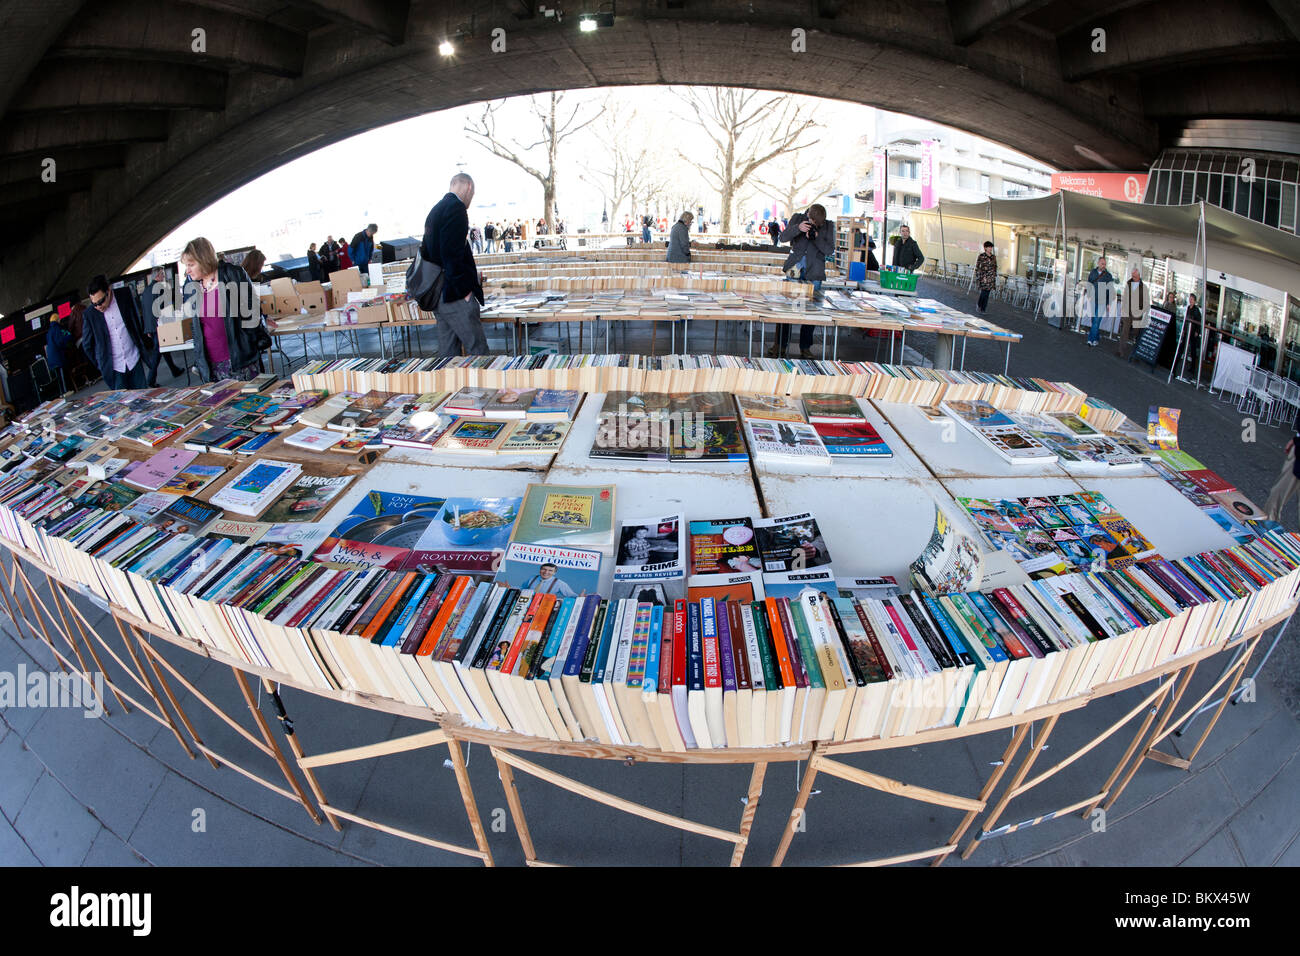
(901, 281)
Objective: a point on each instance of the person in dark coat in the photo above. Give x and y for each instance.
(812, 241)
(679, 239)
(907, 254)
(225, 314)
(446, 244)
(57, 342)
(155, 298)
(873, 264)
(113, 337)
(314, 264)
(774, 230)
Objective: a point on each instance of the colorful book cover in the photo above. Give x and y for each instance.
(567, 514)
(829, 407)
(482, 435)
(788, 441)
(379, 532)
(543, 438)
(151, 432)
(723, 546)
(192, 479)
(466, 534)
(161, 468)
(551, 569)
(772, 408)
(554, 404)
(1162, 427)
(306, 499)
(697, 439)
(853, 440)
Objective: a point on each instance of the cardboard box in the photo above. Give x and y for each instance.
(287, 304)
(343, 281)
(367, 314)
(309, 288)
(267, 304)
(173, 333)
(313, 302)
(282, 286)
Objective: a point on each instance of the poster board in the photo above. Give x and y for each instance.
(1153, 336)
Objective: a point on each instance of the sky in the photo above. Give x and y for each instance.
(408, 165)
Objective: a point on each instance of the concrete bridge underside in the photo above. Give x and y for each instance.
(145, 130)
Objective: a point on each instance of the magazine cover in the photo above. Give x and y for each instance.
(723, 546)
(830, 407)
(630, 438)
(793, 585)
(790, 543)
(379, 532)
(551, 569)
(651, 549)
(466, 534)
(306, 499)
(1162, 427)
(788, 440)
(951, 561)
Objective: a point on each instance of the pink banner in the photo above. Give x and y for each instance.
(927, 174)
(1127, 186)
(878, 181)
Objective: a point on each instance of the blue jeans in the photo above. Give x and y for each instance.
(1093, 333)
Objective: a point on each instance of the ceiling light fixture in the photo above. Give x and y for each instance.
(446, 48)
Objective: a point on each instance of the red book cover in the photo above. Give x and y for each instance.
(881, 659)
(712, 666)
(776, 632)
(679, 643)
(1208, 481)
(311, 605)
(904, 633)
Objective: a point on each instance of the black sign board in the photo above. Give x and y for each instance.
(1148, 346)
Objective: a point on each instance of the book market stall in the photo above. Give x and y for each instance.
(711, 561)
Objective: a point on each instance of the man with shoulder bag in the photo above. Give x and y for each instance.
(446, 246)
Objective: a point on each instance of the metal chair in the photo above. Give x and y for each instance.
(42, 379)
(1256, 400)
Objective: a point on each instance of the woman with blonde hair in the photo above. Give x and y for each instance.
(223, 306)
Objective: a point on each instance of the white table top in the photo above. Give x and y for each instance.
(951, 450)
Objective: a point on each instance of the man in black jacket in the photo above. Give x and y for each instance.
(446, 243)
(113, 337)
(907, 254)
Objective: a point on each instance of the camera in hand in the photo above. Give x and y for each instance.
(812, 231)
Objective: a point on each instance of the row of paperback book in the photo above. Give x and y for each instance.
(704, 673)
(691, 373)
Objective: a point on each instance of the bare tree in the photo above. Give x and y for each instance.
(747, 129)
(628, 167)
(554, 130)
(792, 186)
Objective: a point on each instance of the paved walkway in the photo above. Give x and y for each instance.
(121, 791)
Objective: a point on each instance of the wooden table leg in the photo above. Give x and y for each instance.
(800, 804)
(467, 795)
(751, 809)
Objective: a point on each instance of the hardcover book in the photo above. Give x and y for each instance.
(306, 499)
(577, 515)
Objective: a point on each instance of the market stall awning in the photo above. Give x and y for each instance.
(1093, 214)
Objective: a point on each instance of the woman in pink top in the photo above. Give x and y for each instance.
(224, 312)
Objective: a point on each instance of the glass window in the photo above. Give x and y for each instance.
(1229, 191)
(1244, 188)
(1188, 192)
(1286, 218)
(1272, 202)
